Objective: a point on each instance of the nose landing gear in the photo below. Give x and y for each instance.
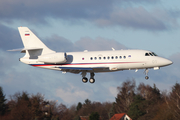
(146, 77)
(146, 73)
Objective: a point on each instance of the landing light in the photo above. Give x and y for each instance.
(156, 68)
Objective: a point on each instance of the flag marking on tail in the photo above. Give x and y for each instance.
(27, 34)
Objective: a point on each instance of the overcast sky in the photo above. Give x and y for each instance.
(77, 25)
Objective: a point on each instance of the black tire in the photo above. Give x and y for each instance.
(91, 80)
(84, 79)
(146, 77)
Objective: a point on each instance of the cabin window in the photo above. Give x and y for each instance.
(124, 57)
(116, 57)
(95, 58)
(82, 58)
(91, 58)
(99, 58)
(104, 57)
(108, 57)
(112, 57)
(120, 57)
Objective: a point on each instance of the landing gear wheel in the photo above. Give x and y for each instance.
(146, 77)
(84, 79)
(91, 80)
(146, 73)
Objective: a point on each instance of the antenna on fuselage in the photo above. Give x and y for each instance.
(113, 49)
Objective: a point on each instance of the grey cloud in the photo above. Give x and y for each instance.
(102, 12)
(98, 44)
(37, 11)
(61, 44)
(138, 1)
(9, 38)
(137, 18)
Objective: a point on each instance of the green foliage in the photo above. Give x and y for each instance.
(176, 88)
(79, 106)
(112, 111)
(77, 118)
(2, 102)
(87, 102)
(136, 108)
(94, 116)
(24, 96)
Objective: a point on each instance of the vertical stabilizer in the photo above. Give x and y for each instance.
(32, 44)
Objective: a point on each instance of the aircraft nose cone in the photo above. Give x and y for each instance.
(167, 62)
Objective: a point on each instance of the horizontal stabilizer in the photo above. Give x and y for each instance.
(23, 49)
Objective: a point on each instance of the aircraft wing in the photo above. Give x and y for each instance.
(81, 69)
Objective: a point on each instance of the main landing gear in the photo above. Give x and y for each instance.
(84, 78)
(146, 73)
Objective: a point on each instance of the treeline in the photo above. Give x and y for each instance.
(142, 102)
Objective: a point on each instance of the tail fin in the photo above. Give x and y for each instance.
(32, 44)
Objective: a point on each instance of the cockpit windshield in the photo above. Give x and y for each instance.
(154, 54)
(146, 54)
(150, 54)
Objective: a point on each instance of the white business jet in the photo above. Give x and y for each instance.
(39, 55)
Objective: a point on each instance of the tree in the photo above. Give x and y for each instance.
(112, 111)
(2, 102)
(77, 118)
(149, 93)
(87, 102)
(94, 116)
(79, 106)
(136, 109)
(125, 96)
(163, 113)
(37, 105)
(152, 100)
(173, 101)
(21, 109)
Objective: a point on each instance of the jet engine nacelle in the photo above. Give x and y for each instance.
(53, 58)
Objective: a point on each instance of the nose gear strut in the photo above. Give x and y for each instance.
(146, 73)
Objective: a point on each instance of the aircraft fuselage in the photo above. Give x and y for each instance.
(105, 61)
